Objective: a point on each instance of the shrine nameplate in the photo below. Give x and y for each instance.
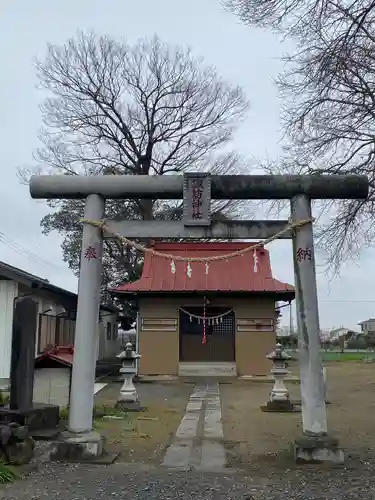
(197, 199)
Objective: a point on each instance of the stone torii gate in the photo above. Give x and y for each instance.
(300, 190)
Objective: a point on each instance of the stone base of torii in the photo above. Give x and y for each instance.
(315, 444)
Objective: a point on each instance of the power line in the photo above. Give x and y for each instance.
(10, 243)
(21, 250)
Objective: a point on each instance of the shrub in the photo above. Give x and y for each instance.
(4, 398)
(356, 343)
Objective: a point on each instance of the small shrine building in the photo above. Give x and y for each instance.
(217, 317)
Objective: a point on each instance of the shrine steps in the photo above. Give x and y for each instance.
(207, 369)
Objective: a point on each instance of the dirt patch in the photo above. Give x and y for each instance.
(255, 438)
(143, 437)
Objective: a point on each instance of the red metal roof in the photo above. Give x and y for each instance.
(236, 274)
(60, 354)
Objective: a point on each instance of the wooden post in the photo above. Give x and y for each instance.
(23, 353)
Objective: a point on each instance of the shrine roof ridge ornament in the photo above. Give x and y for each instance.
(170, 187)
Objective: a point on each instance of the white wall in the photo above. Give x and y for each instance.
(51, 386)
(108, 347)
(8, 292)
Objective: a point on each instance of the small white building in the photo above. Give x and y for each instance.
(343, 334)
(367, 326)
(55, 320)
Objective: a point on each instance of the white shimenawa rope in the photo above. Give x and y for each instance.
(214, 319)
(206, 260)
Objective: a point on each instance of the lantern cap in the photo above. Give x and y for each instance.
(278, 354)
(128, 352)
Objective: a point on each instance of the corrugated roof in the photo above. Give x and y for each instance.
(59, 354)
(236, 274)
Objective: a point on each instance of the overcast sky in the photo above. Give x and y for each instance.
(242, 55)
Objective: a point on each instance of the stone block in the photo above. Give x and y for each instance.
(318, 448)
(45, 434)
(280, 407)
(126, 406)
(39, 416)
(20, 433)
(19, 452)
(82, 447)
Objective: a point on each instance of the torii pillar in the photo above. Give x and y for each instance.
(315, 445)
(80, 442)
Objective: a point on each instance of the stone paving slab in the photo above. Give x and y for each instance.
(196, 443)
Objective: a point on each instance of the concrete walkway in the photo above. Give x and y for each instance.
(98, 386)
(198, 441)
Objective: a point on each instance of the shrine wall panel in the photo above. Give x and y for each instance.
(159, 332)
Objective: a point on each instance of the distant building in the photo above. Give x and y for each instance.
(285, 331)
(367, 326)
(55, 317)
(342, 333)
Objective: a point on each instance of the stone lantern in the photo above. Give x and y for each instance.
(128, 399)
(279, 399)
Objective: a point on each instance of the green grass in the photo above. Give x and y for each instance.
(347, 356)
(7, 474)
(99, 411)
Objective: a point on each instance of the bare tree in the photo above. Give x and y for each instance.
(328, 88)
(131, 110)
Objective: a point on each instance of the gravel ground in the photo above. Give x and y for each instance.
(78, 482)
(253, 441)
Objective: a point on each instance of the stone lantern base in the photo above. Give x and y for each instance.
(129, 406)
(128, 399)
(277, 406)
